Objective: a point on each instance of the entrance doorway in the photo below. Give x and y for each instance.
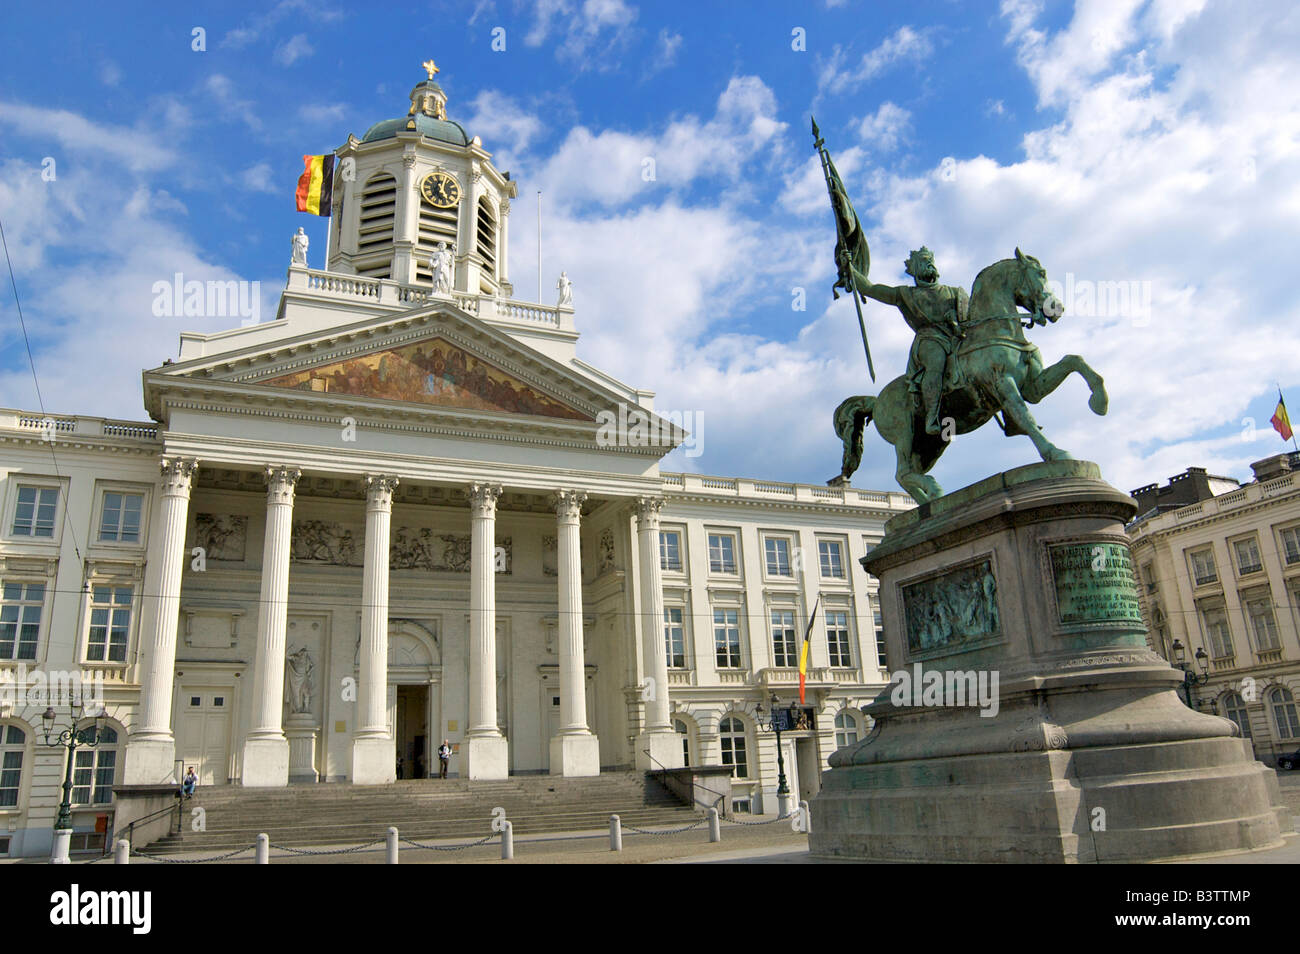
(809, 769)
(203, 732)
(411, 732)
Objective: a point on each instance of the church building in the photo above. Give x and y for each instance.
(402, 511)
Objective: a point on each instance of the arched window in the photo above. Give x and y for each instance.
(731, 733)
(375, 225)
(13, 749)
(1284, 713)
(846, 729)
(95, 769)
(685, 730)
(1235, 709)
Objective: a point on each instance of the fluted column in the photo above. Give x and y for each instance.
(486, 749)
(574, 750)
(658, 746)
(266, 750)
(151, 748)
(374, 754)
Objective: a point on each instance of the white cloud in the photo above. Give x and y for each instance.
(882, 130)
(258, 178)
(665, 54)
(589, 32)
(903, 44)
(292, 50)
(506, 128)
(139, 150)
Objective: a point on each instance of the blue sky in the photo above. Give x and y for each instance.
(1151, 143)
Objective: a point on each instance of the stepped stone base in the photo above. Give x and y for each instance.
(658, 750)
(1083, 752)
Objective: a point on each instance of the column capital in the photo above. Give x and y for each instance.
(647, 512)
(568, 503)
(280, 483)
(483, 499)
(379, 490)
(177, 474)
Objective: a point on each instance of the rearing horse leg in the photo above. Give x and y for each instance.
(909, 473)
(1013, 406)
(1047, 380)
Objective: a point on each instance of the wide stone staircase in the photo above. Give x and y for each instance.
(342, 814)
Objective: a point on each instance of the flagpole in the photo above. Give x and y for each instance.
(1281, 400)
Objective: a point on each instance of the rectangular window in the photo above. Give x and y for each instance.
(726, 638)
(831, 555)
(1291, 545)
(722, 553)
(837, 638)
(1248, 560)
(34, 515)
(11, 774)
(880, 638)
(1262, 623)
(1217, 633)
(1203, 570)
(670, 550)
(20, 620)
(785, 648)
(120, 521)
(674, 637)
(110, 623)
(777, 552)
(92, 777)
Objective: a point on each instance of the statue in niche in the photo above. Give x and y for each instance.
(299, 673)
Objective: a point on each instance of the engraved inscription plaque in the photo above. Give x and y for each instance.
(1094, 584)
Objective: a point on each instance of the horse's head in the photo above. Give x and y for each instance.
(1032, 292)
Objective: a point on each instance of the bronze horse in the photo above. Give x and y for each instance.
(994, 369)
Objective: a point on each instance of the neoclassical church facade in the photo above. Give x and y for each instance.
(398, 513)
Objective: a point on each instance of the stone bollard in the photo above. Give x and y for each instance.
(715, 827)
(615, 833)
(263, 850)
(507, 841)
(806, 817)
(392, 845)
(122, 852)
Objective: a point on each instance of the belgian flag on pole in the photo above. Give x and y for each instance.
(803, 652)
(1280, 420)
(316, 185)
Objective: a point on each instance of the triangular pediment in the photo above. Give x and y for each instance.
(432, 371)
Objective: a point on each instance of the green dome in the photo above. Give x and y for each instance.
(443, 130)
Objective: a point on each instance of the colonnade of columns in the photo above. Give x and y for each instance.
(574, 749)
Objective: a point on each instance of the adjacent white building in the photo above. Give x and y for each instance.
(392, 516)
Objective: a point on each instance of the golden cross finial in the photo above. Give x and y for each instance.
(430, 67)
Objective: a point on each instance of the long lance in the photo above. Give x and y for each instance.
(820, 145)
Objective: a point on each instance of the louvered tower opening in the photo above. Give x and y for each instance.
(375, 232)
(487, 246)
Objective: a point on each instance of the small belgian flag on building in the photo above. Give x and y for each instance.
(1280, 420)
(316, 185)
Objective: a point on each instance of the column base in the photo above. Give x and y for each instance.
(150, 762)
(658, 750)
(575, 755)
(374, 761)
(486, 756)
(266, 763)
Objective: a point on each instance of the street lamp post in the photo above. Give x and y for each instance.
(777, 725)
(1191, 678)
(69, 739)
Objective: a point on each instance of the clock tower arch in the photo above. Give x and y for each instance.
(413, 182)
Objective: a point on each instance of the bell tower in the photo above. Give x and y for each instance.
(412, 183)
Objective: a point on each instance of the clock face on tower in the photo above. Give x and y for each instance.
(440, 190)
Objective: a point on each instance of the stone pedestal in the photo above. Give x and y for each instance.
(575, 755)
(266, 763)
(301, 730)
(656, 750)
(1026, 720)
(486, 756)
